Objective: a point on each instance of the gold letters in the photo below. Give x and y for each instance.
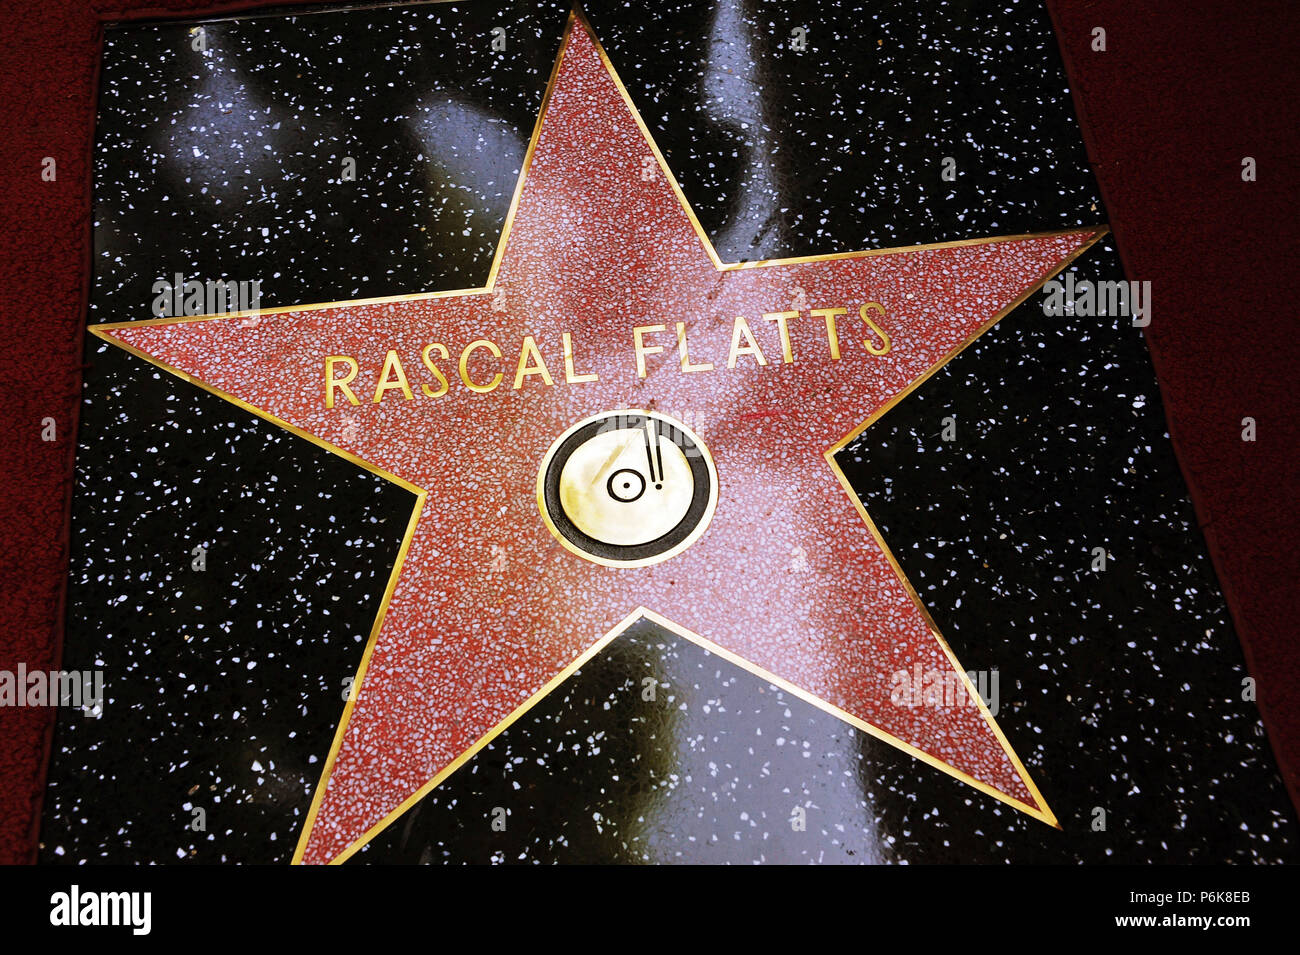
(685, 353)
(464, 365)
(392, 365)
(643, 349)
(342, 383)
(571, 376)
(787, 353)
(738, 328)
(884, 337)
(532, 362)
(428, 363)
(832, 336)
(529, 353)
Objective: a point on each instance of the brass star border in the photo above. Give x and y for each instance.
(578, 21)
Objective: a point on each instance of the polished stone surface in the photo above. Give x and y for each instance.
(1168, 748)
(601, 257)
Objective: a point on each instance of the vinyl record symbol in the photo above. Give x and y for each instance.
(627, 488)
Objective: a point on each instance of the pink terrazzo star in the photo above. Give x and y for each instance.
(486, 611)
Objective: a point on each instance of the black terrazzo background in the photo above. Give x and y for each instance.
(223, 687)
(1120, 689)
(230, 162)
(710, 769)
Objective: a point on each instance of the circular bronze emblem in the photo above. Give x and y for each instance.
(627, 488)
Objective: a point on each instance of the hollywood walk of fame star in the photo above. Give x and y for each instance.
(607, 303)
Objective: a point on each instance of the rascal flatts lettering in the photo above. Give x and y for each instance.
(482, 366)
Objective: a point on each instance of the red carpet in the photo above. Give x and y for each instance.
(1183, 92)
(48, 87)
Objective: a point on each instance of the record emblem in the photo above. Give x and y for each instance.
(627, 488)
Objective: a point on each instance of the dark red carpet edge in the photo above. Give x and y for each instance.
(1184, 91)
(49, 72)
